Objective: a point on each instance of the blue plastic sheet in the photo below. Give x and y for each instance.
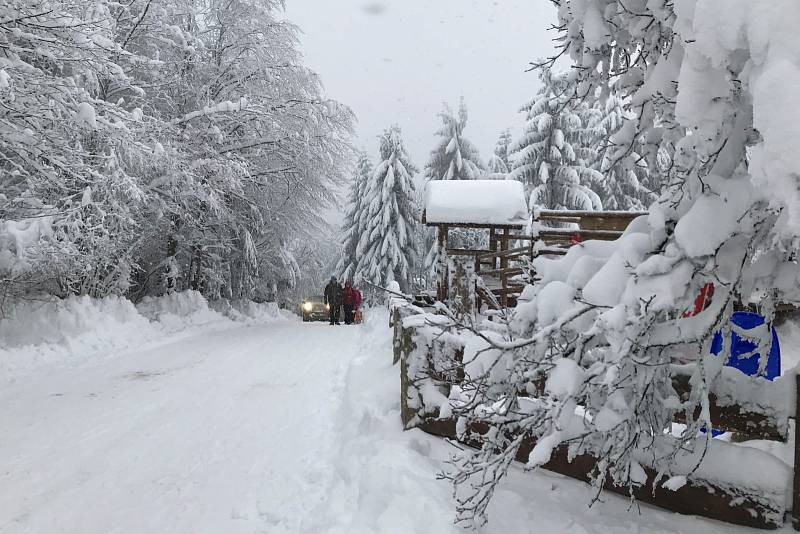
(743, 356)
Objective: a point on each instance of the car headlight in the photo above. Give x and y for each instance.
(307, 306)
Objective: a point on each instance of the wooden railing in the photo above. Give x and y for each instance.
(736, 501)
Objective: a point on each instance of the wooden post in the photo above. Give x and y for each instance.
(475, 283)
(796, 479)
(503, 265)
(493, 246)
(442, 286)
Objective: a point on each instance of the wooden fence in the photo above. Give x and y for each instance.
(433, 363)
(554, 232)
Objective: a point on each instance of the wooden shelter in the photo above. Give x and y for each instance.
(496, 206)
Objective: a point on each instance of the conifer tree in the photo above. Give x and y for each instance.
(387, 247)
(454, 157)
(627, 181)
(498, 163)
(348, 262)
(554, 154)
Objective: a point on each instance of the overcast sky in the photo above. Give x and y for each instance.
(397, 61)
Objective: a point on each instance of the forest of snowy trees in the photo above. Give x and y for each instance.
(152, 146)
(159, 146)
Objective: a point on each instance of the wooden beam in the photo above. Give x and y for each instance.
(503, 267)
(465, 252)
(509, 271)
(551, 252)
(441, 282)
(478, 226)
(583, 234)
(599, 214)
(517, 237)
(511, 289)
(506, 253)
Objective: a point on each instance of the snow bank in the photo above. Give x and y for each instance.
(178, 310)
(52, 332)
(42, 330)
(476, 202)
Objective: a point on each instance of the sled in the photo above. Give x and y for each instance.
(358, 317)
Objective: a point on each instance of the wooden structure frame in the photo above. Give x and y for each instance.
(498, 253)
(498, 207)
(508, 244)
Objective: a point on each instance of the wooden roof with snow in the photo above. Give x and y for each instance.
(475, 203)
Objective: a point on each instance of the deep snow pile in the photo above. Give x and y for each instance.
(52, 332)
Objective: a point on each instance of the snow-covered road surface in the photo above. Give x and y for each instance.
(280, 428)
(219, 433)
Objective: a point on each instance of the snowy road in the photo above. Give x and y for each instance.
(219, 433)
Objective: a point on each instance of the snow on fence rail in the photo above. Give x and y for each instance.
(734, 483)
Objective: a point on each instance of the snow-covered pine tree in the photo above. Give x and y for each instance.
(627, 182)
(553, 156)
(348, 262)
(454, 157)
(498, 164)
(387, 249)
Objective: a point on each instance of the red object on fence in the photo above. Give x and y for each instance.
(575, 239)
(702, 301)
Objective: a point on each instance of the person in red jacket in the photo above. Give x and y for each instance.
(350, 300)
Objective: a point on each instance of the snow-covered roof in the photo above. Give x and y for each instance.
(481, 202)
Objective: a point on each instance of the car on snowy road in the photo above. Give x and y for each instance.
(315, 309)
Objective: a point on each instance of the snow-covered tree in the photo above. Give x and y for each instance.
(387, 249)
(711, 84)
(627, 182)
(454, 157)
(348, 263)
(499, 164)
(147, 147)
(553, 156)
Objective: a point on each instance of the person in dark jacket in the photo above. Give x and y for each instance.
(349, 302)
(333, 298)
